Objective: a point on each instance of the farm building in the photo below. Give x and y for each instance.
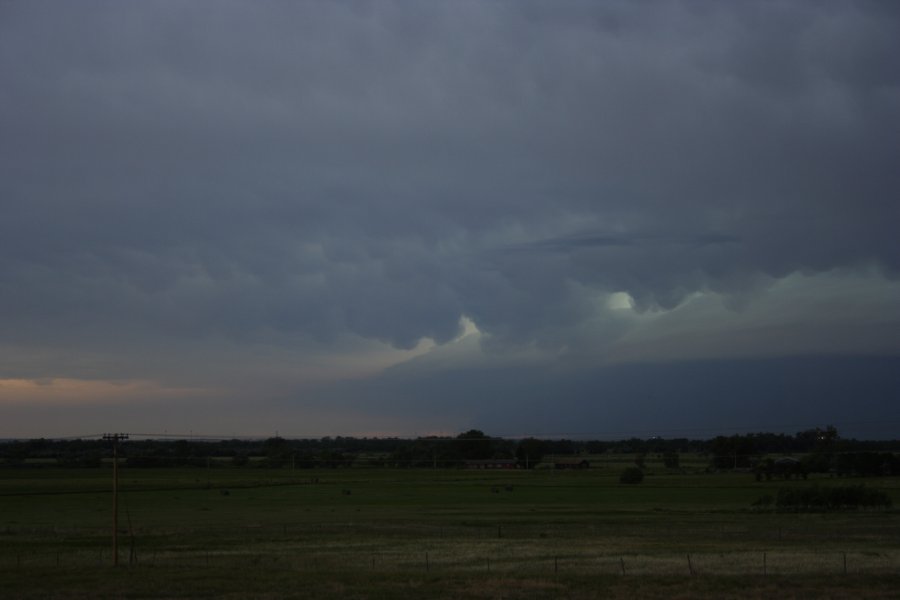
(571, 463)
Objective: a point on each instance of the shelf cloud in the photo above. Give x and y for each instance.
(276, 206)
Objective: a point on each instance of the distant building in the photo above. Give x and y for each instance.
(571, 463)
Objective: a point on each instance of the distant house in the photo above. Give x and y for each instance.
(493, 463)
(571, 463)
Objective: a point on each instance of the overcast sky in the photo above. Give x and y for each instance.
(550, 218)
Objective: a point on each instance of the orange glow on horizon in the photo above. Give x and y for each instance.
(84, 391)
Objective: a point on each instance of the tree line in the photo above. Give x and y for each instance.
(819, 449)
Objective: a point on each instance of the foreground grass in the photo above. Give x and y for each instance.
(385, 533)
(267, 582)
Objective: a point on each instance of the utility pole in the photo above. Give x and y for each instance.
(115, 438)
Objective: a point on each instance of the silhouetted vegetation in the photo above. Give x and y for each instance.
(826, 498)
(769, 456)
(671, 460)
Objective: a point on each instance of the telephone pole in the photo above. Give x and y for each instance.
(115, 438)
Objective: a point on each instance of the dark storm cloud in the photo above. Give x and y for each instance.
(195, 170)
(694, 399)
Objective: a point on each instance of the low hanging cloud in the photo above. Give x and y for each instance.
(208, 185)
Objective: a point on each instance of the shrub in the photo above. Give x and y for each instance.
(671, 460)
(641, 460)
(841, 497)
(631, 475)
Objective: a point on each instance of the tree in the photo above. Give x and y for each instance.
(530, 451)
(732, 452)
(641, 460)
(276, 450)
(474, 445)
(822, 444)
(671, 460)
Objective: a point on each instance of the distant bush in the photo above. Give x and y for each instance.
(867, 464)
(815, 498)
(671, 460)
(641, 460)
(631, 475)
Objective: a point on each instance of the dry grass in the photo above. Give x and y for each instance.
(555, 535)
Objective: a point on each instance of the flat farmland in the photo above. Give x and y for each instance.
(337, 533)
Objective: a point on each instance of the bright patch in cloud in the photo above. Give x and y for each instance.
(620, 301)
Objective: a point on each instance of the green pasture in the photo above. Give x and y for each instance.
(431, 533)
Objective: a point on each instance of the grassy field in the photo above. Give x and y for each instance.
(432, 533)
